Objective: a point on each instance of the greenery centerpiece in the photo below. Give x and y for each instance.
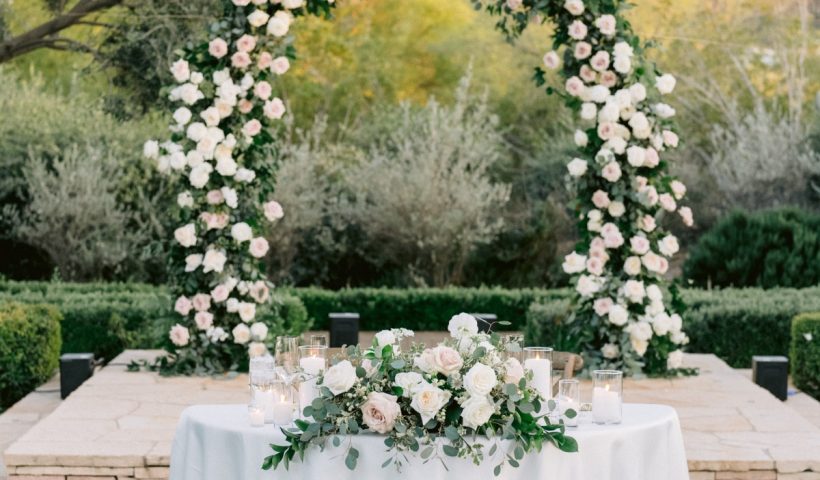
(466, 397)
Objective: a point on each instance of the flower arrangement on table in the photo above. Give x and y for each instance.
(467, 397)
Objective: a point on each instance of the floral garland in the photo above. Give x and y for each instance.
(621, 183)
(467, 397)
(221, 153)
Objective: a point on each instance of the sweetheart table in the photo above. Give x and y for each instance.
(216, 442)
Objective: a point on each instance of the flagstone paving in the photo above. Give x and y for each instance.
(119, 425)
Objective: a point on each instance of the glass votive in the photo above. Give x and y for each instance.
(607, 396)
(319, 339)
(569, 398)
(256, 415)
(538, 360)
(312, 359)
(283, 404)
(261, 376)
(513, 346)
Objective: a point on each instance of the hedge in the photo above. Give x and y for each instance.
(107, 318)
(769, 249)
(421, 308)
(734, 324)
(29, 348)
(805, 353)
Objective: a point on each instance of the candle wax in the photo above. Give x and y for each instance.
(606, 405)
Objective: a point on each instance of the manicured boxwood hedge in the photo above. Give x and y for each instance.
(421, 308)
(734, 324)
(29, 348)
(805, 353)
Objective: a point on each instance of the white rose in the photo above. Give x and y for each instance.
(185, 200)
(661, 323)
(273, 210)
(577, 167)
(632, 266)
(588, 111)
(634, 291)
(587, 285)
(186, 235)
(214, 261)
(199, 175)
(665, 83)
(259, 331)
(384, 338)
(409, 382)
(428, 400)
(380, 411)
(577, 30)
(616, 209)
(476, 412)
(679, 338)
(204, 320)
(636, 155)
(551, 60)
(670, 138)
(462, 324)
(280, 65)
(654, 293)
(151, 149)
(192, 262)
(575, 86)
(279, 24)
(610, 351)
(182, 115)
(638, 92)
(181, 71)
(257, 349)
(581, 138)
(618, 315)
(258, 18)
(480, 380)
(611, 171)
(622, 64)
(292, 4)
(674, 360)
(246, 311)
(241, 334)
(575, 7)
(445, 360)
(179, 335)
(663, 110)
(668, 245)
(606, 24)
(258, 247)
(652, 262)
(574, 263)
(598, 93)
(241, 232)
(340, 377)
(513, 371)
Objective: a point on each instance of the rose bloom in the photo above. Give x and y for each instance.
(575, 7)
(609, 78)
(606, 130)
(258, 247)
(241, 60)
(280, 65)
(183, 305)
(220, 293)
(264, 60)
(214, 197)
(445, 360)
(185, 200)
(632, 266)
(686, 214)
(618, 315)
(578, 30)
(201, 301)
(480, 380)
(652, 262)
(193, 261)
(612, 236)
(274, 109)
(252, 128)
(214, 221)
(616, 209)
(179, 335)
(273, 210)
(574, 86)
(340, 377)
(582, 50)
(678, 189)
(258, 18)
(581, 138)
(574, 263)
(587, 74)
(577, 167)
(639, 245)
(218, 48)
(379, 412)
(647, 223)
(600, 199)
(611, 171)
(181, 71)
(595, 266)
(262, 90)
(651, 158)
(186, 236)
(602, 306)
(598, 93)
(670, 138)
(476, 412)
(600, 61)
(587, 285)
(241, 334)
(204, 320)
(551, 60)
(665, 84)
(668, 245)
(634, 291)
(667, 202)
(279, 24)
(606, 25)
(622, 64)
(245, 106)
(513, 371)
(214, 261)
(246, 43)
(259, 291)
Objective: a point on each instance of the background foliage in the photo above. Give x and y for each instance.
(805, 353)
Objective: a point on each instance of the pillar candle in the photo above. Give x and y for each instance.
(541, 376)
(606, 405)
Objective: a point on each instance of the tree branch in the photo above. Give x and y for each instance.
(40, 36)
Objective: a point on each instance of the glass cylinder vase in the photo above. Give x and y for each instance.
(569, 398)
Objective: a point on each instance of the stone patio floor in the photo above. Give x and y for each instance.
(119, 425)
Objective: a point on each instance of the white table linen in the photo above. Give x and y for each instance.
(216, 442)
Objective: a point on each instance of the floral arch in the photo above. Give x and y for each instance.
(222, 153)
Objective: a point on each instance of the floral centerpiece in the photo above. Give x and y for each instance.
(466, 397)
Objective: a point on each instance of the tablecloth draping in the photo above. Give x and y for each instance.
(216, 442)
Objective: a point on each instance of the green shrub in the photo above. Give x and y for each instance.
(734, 324)
(805, 353)
(29, 348)
(421, 308)
(779, 248)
